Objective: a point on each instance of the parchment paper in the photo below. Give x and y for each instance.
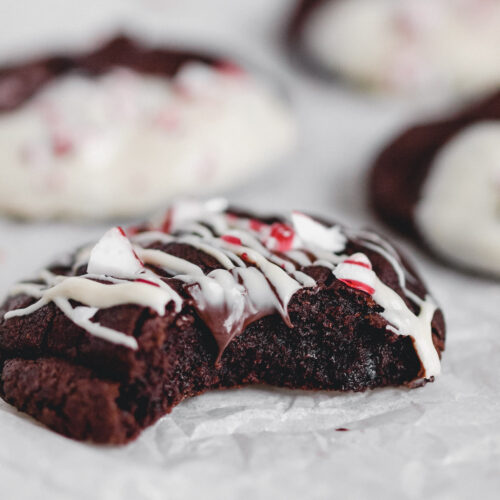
(439, 442)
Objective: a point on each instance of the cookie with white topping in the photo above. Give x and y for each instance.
(410, 47)
(440, 182)
(117, 131)
(210, 297)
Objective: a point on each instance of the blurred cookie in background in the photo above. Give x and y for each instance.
(403, 46)
(440, 182)
(118, 131)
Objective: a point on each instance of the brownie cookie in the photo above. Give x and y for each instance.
(403, 45)
(207, 297)
(116, 131)
(440, 182)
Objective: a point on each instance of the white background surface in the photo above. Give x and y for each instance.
(439, 442)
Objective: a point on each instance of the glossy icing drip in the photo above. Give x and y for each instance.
(261, 268)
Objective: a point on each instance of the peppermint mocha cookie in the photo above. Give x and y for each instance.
(117, 131)
(404, 45)
(207, 297)
(441, 182)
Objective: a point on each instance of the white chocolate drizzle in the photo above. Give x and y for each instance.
(357, 272)
(261, 268)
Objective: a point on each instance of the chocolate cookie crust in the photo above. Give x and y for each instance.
(329, 336)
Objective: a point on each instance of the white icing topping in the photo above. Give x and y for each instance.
(409, 44)
(357, 269)
(459, 210)
(124, 142)
(254, 280)
(95, 296)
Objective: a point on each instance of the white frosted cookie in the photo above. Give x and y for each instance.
(440, 181)
(407, 45)
(123, 141)
(458, 213)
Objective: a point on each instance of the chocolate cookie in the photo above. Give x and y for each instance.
(117, 131)
(440, 182)
(207, 297)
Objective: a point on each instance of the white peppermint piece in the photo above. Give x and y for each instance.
(114, 256)
(314, 233)
(356, 267)
(190, 210)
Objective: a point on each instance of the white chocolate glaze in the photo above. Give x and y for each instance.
(458, 213)
(261, 268)
(409, 45)
(123, 143)
(357, 272)
(95, 296)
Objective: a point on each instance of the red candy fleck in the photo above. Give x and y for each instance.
(257, 225)
(244, 256)
(233, 240)
(132, 230)
(61, 145)
(229, 68)
(168, 120)
(122, 232)
(146, 282)
(167, 222)
(282, 235)
(182, 90)
(137, 257)
(359, 285)
(358, 263)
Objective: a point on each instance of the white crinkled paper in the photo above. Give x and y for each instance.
(438, 442)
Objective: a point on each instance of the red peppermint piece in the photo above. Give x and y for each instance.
(256, 225)
(233, 240)
(122, 232)
(146, 282)
(366, 265)
(230, 68)
(182, 90)
(61, 145)
(359, 285)
(281, 236)
(137, 257)
(169, 120)
(133, 230)
(166, 225)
